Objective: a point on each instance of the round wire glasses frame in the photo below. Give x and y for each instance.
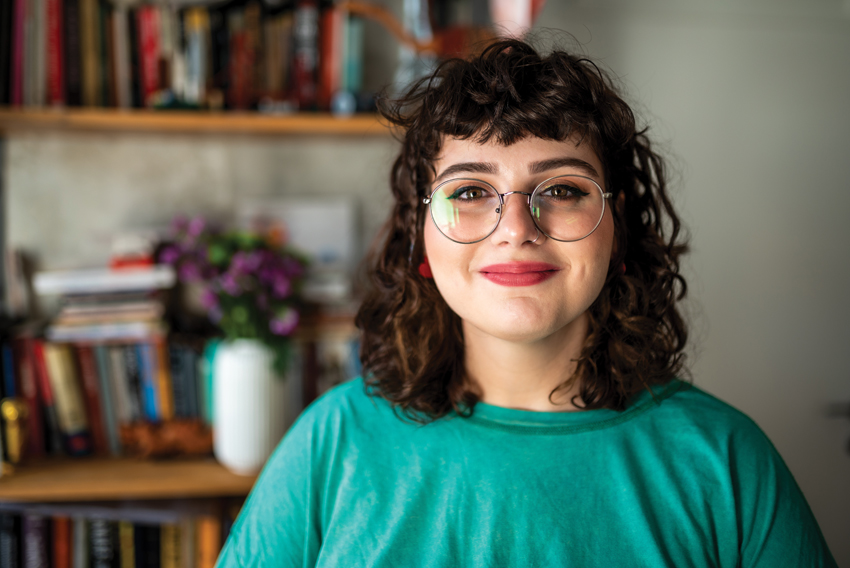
(557, 205)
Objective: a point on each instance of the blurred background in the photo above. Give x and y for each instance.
(748, 99)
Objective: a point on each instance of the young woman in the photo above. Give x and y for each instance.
(520, 404)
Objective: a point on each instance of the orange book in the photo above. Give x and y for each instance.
(208, 533)
(61, 548)
(166, 387)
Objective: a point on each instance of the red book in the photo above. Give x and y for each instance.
(91, 398)
(29, 391)
(147, 21)
(330, 56)
(55, 54)
(17, 67)
(61, 549)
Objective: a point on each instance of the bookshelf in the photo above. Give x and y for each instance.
(162, 122)
(106, 479)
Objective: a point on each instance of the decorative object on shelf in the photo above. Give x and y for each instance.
(253, 405)
(168, 438)
(251, 284)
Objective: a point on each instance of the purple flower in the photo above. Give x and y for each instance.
(196, 226)
(286, 324)
(230, 284)
(281, 288)
(170, 254)
(189, 271)
(209, 299)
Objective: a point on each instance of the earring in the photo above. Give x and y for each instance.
(623, 268)
(425, 268)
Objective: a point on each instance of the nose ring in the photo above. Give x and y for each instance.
(537, 237)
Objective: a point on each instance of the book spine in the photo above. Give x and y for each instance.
(146, 544)
(61, 537)
(306, 53)
(29, 391)
(39, 61)
(71, 37)
(177, 357)
(55, 54)
(16, 94)
(126, 410)
(89, 48)
(80, 557)
(52, 433)
(68, 397)
(104, 546)
(123, 84)
(105, 54)
(148, 37)
(148, 382)
(330, 55)
(10, 540)
(354, 55)
(165, 387)
(170, 546)
(107, 398)
(133, 374)
(126, 546)
(10, 388)
(93, 397)
(35, 540)
(208, 532)
(6, 33)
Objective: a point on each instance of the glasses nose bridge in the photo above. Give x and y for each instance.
(503, 197)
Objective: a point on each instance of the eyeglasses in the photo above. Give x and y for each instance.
(564, 208)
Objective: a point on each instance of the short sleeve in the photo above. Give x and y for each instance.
(277, 525)
(777, 528)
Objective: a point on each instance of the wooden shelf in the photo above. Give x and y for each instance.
(107, 479)
(112, 120)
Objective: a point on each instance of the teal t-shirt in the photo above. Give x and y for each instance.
(678, 479)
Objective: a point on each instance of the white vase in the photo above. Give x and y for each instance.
(252, 405)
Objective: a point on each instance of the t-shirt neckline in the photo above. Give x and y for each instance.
(533, 422)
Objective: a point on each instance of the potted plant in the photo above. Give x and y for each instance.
(249, 286)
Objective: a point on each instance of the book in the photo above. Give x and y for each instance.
(165, 386)
(16, 83)
(306, 57)
(126, 546)
(36, 74)
(73, 62)
(52, 433)
(121, 55)
(147, 25)
(170, 547)
(34, 537)
(330, 55)
(55, 54)
(208, 530)
(133, 377)
(90, 281)
(146, 364)
(196, 25)
(67, 393)
(107, 398)
(103, 539)
(127, 408)
(6, 34)
(91, 388)
(26, 372)
(90, 71)
(61, 552)
(80, 557)
(10, 539)
(146, 544)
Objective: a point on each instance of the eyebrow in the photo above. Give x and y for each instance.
(566, 162)
(533, 168)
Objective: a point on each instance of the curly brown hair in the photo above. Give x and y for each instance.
(412, 345)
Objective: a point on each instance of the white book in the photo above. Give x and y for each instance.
(103, 280)
(123, 84)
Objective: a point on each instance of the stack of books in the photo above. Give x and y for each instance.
(104, 362)
(235, 54)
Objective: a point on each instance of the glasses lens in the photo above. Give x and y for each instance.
(567, 208)
(465, 210)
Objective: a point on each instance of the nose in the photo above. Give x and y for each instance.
(516, 225)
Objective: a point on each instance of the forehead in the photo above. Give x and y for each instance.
(527, 157)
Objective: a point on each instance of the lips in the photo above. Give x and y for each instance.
(519, 273)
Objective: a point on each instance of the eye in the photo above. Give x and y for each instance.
(470, 193)
(563, 191)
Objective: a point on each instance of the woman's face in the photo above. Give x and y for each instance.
(511, 286)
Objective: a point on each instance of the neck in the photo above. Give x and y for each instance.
(523, 375)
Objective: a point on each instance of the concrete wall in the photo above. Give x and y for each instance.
(750, 97)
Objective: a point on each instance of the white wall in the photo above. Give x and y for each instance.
(752, 98)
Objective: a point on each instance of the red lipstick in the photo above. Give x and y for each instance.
(519, 273)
